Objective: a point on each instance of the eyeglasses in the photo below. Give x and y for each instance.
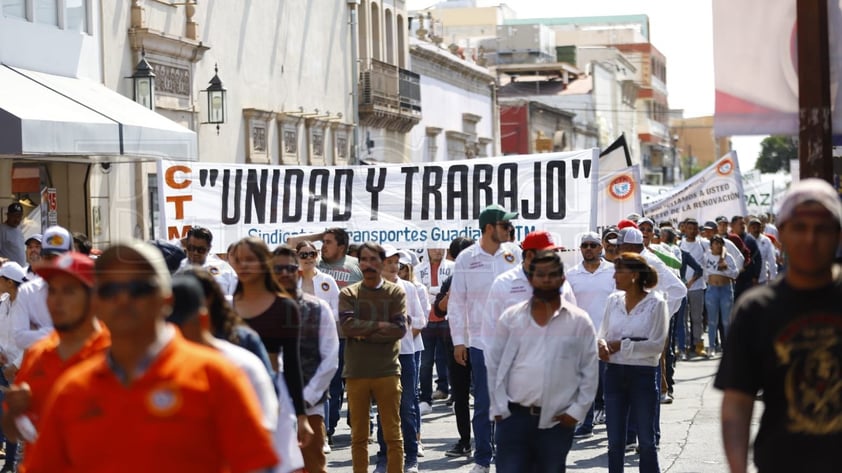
(289, 268)
(402, 266)
(589, 245)
(307, 254)
(135, 289)
(198, 249)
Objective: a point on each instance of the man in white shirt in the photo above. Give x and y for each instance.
(198, 248)
(513, 286)
(33, 253)
(542, 373)
(30, 317)
(592, 281)
(769, 266)
(476, 268)
(696, 246)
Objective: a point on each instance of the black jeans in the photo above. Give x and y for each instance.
(460, 388)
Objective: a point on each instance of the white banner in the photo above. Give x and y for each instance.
(763, 192)
(716, 190)
(619, 194)
(756, 66)
(408, 205)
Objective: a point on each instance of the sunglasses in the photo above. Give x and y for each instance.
(198, 249)
(506, 225)
(589, 245)
(307, 254)
(289, 268)
(135, 289)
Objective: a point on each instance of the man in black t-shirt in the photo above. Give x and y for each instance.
(786, 340)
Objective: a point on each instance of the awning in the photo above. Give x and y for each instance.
(44, 114)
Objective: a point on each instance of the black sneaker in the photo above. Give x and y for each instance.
(330, 440)
(459, 450)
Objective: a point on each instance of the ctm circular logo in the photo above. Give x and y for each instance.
(621, 187)
(725, 168)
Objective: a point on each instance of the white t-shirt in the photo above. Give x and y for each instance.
(592, 289)
(258, 377)
(221, 271)
(31, 319)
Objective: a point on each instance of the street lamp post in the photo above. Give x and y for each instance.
(216, 100)
(143, 83)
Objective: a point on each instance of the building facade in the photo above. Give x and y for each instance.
(458, 98)
(286, 67)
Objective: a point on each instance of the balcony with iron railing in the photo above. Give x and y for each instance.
(390, 97)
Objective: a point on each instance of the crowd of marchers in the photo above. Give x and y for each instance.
(241, 360)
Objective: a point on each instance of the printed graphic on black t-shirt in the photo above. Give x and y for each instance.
(811, 349)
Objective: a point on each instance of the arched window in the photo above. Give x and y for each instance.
(390, 37)
(375, 32)
(402, 33)
(363, 44)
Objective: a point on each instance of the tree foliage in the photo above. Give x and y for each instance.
(775, 153)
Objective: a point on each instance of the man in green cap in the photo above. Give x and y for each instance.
(475, 270)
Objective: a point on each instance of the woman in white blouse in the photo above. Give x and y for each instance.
(720, 271)
(630, 340)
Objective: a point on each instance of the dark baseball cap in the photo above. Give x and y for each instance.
(493, 214)
(15, 208)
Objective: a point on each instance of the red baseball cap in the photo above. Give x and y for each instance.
(72, 263)
(539, 240)
(624, 223)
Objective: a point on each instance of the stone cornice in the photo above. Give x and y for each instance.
(163, 44)
(449, 61)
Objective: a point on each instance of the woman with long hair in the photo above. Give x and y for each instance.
(630, 340)
(267, 308)
(225, 323)
(720, 272)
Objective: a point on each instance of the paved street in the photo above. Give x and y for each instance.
(690, 435)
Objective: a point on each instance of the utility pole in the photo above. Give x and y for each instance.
(355, 77)
(815, 121)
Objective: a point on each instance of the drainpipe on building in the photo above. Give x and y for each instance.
(495, 120)
(355, 77)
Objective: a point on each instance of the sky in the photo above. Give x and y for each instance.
(681, 29)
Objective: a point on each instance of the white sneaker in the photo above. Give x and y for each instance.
(326, 448)
(479, 469)
(420, 451)
(425, 408)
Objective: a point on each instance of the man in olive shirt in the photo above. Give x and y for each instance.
(372, 316)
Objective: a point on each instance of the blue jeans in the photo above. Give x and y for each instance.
(435, 351)
(10, 447)
(523, 447)
(631, 392)
(333, 405)
(718, 302)
(482, 424)
(409, 404)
